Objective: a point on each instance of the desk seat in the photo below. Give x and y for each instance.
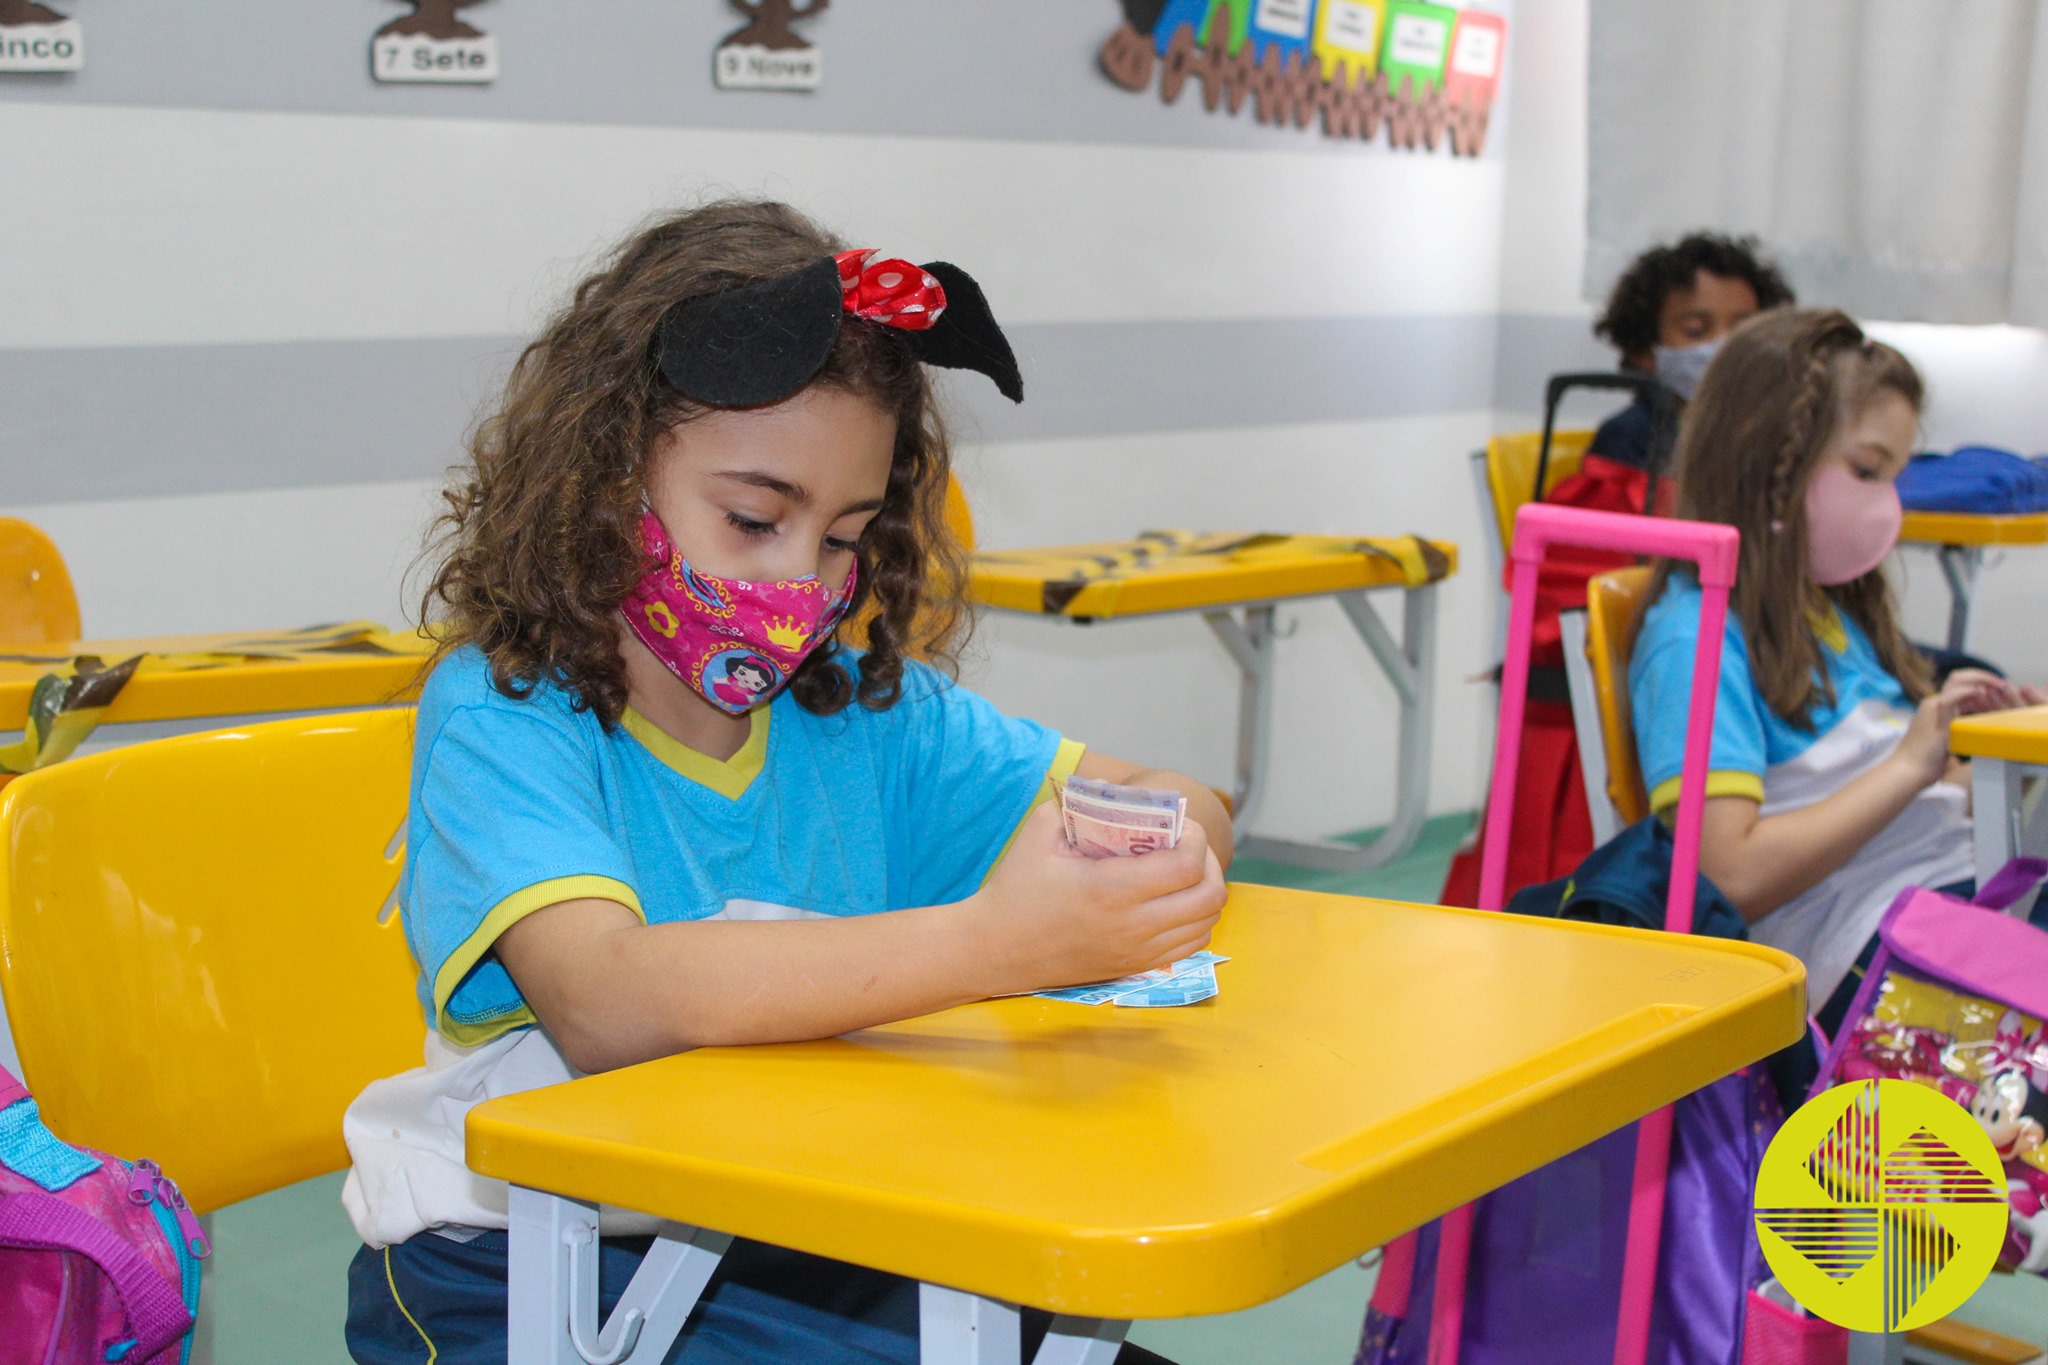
(1165, 571)
(2019, 736)
(1369, 1065)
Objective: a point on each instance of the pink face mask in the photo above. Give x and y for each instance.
(1851, 523)
(734, 642)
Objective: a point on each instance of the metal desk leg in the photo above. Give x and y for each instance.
(551, 1290)
(954, 1328)
(1995, 813)
(1081, 1341)
(1250, 643)
(1410, 666)
(1877, 1348)
(1961, 565)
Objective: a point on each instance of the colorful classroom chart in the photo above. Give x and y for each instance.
(1418, 43)
(1348, 34)
(1478, 44)
(1180, 14)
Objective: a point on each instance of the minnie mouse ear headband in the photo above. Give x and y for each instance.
(762, 342)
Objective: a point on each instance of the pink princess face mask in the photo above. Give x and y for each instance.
(734, 642)
(1851, 523)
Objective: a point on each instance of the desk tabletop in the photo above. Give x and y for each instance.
(2019, 736)
(1164, 571)
(1975, 528)
(180, 677)
(1368, 1066)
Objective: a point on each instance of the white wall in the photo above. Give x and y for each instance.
(234, 278)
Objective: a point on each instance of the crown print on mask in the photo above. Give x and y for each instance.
(786, 631)
(734, 642)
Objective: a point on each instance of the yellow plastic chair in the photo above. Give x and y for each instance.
(38, 605)
(1614, 611)
(199, 949)
(1511, 471)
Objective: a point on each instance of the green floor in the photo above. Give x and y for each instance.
(276, 1291)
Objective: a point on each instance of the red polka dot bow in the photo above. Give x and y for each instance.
(893, 292)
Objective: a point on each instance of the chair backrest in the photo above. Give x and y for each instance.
(959, 520)
(199, 948)
(1511, 470)
(1614, 611)
(38, 605)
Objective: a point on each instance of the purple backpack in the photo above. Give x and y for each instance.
(99, 1258)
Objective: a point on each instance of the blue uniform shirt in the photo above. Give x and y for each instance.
(517, 805)
(1749, 737)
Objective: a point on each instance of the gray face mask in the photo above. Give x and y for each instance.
(1681, 367)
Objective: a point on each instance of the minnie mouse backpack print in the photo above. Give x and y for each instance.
(99, 1257)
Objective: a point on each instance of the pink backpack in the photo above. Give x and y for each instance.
(1957, 999)
(99, 1258)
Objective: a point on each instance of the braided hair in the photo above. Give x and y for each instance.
(1777, 394)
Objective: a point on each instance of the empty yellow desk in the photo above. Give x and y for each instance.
(1236, 580)
(2004, 749)
(1960, 539)
(225, 676)
(1368, 1066)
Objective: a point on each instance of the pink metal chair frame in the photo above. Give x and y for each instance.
(1713, 549)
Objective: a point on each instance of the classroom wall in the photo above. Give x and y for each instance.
(253, 301)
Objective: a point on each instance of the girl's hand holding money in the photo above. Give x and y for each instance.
(1050, 916)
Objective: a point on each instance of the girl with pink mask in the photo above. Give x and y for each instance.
(660, 800)
(1830, 786)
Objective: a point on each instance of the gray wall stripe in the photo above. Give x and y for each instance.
(1532, 348)
(125, 422)
(1020, 69)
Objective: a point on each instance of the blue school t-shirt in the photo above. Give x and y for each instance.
(1786, 767)
(521, 804)
(1749, 737)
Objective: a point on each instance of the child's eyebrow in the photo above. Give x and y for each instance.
(795, 492)
(755, 478)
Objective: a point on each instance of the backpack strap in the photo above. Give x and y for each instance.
(154, 1309)
(2010, 882)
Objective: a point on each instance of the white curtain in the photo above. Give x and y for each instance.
(1893, 154)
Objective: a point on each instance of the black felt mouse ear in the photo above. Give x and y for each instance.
(756, 344)
(966, 336)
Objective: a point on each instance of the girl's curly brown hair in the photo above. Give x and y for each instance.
(539, 540)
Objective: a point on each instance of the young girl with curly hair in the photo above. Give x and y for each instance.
(1830, 787)
(658, 804)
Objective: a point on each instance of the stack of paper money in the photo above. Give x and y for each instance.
(1107, 821)
(1187, 981)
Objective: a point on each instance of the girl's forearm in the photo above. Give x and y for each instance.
(634, 991)
(1760, 863)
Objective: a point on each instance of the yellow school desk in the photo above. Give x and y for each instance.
(225, 676)
(1235, 580)
(1368, 1066)
(1960, 540)
(2004, 749)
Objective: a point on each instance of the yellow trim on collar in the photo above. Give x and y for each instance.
(730, 778)
(1829, 630)
(1065, 759)
(1723, 783)
(503, 915)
